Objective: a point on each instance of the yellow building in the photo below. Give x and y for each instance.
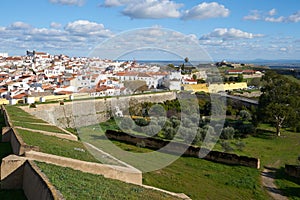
(214, 88)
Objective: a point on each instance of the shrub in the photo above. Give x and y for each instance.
(226, 146)
(245, 115)
(240, 145)
(227, 133)
(32, 105)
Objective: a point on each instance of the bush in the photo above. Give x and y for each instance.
(126, 123)
(227, 133)
(240, 145)
(32, 105)
(245, 115)
(226, 146)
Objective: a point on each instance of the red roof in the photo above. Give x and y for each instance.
(19, 96)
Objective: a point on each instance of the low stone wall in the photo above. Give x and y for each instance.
(293, 170)
(19, 173)
(17, 144)
(125, 174)
(177, 148)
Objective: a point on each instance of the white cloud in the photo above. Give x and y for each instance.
(254, 15)
(294, 17)
(115, 3)
(269, 16)
(272, 12)
(152, 9)
(229, 34)
(55, 25)
(87, 28)
(206, 10)
(19, 25)
(283, 49)
(274, 19)
(68, 2)
(77, 36)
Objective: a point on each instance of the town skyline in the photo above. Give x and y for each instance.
(225, 30)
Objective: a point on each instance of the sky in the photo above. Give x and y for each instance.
(224, 29)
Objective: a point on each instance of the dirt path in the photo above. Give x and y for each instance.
(268, 175)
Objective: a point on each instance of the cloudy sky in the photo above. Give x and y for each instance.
(231, 30)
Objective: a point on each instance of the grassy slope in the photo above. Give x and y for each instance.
(92, 186)
(23, 119)
(57, 146)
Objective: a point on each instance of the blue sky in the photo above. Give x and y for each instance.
(231, 30)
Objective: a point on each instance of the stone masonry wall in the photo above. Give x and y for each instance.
(89, 112)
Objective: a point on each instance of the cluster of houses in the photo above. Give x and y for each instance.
(41, 74)
(38, 74)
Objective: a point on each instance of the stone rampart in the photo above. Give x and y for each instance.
(19, 173)
(88, 112)
(177, 148)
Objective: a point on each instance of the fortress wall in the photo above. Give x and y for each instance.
(89, 112)
(19, 173)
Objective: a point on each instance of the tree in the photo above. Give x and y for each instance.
(240, 78)
(278, 103)
(194, 77)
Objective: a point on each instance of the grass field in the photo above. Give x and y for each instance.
(57, 146)
(273, 151)
(23, 119)
(74, 184)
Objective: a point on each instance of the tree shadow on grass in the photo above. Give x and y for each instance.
(291, 192)
(265, 134)
(280, 174)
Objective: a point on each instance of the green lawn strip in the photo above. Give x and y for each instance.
(41, 127)
(57, 146)
(74, 184)
(17, 114)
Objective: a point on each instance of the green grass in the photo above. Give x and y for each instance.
(57, 146)
(201, 179)
(74, 184)
(41, 127)
(23, 119)
(17, 114)
(273, 151)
